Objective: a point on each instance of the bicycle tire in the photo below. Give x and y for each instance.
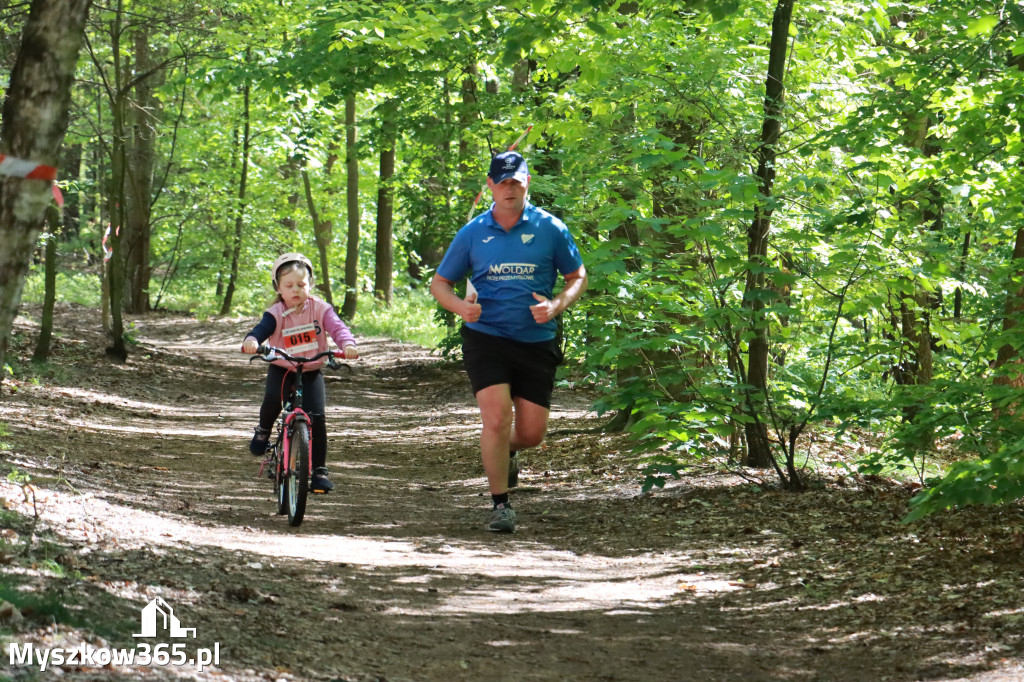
(277, 474)
(298, 472)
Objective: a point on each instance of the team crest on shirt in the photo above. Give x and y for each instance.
(527, 238)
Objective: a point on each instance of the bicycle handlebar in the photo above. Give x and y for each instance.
(270, 353)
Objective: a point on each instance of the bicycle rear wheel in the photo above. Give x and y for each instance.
(298, 472)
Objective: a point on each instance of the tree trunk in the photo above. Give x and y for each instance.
(385, 260)
(116, 194)
(322, 236)
(50, 288)
(348, 310)
(1008, 364)
(759, 452)
(227, 247)
(141, 160)
(73, 196)
(34, 121)
(467, 115)
(958, 297)
(428, 242)
(116, 210)
(1008, 353)
(236, 249)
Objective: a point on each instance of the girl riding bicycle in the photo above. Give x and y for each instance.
(299, 323)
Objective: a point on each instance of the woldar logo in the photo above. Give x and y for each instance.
(170, 623)
(512, 269)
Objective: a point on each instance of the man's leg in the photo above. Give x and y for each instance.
(531, 424)
(496, 414)
(528, 429)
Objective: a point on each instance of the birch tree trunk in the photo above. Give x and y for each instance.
(35, 119)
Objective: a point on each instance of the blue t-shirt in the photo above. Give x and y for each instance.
(507, 267)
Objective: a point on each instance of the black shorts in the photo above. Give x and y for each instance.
(528, 368)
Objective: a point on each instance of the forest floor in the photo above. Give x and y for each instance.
(142, 487)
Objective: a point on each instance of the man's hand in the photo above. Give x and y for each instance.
(250, 345)
(545, 310)
(471, 311)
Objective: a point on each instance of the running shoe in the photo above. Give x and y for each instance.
(260, 441)
(319, 482)
(503, 519)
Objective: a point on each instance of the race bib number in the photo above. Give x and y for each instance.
(298, 340)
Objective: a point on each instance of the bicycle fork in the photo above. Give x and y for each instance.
(292, 417)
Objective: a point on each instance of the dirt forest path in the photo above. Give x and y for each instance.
(145, 490)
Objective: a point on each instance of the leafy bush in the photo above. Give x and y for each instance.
(409, 318)
(72, 286)
(989, 434)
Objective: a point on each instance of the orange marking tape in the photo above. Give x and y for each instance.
(20, 168)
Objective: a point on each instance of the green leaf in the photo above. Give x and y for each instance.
(982, 25)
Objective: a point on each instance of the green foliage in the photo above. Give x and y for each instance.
(983, 422)
(80, 288)
(18, 478)
(895, 206)
(409, 318)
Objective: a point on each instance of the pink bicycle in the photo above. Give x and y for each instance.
(289, 459)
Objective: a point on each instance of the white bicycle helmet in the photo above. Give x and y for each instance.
(286, 258)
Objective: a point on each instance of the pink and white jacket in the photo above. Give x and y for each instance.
(302, 331)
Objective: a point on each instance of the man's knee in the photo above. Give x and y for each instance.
(496, 417)
(530, 435)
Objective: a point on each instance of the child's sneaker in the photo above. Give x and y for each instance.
(319, 482)
(260, 441)
(503, 519)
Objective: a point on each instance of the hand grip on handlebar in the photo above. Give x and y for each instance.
(266, 352)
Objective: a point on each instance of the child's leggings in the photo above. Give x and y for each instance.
(280, 383)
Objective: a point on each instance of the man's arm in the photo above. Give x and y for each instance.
(546, 310)
(441, 289)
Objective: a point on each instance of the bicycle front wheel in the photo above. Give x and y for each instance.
(280, 482)
(298, 472)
